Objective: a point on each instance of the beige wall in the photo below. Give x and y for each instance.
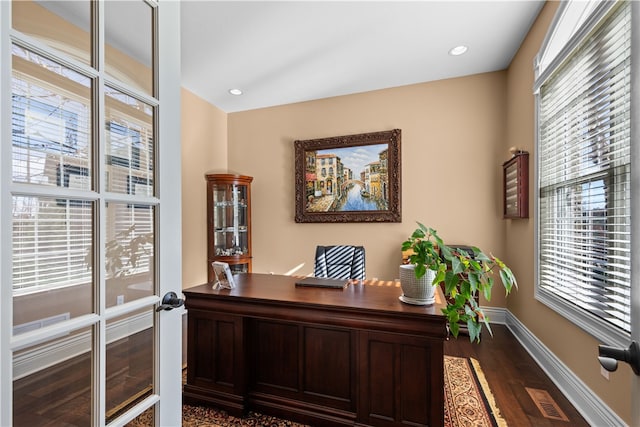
(452, 134)
(204, 148)
(569, 343)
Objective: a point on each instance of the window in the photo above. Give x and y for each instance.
(584, 176)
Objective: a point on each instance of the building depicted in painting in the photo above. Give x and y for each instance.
(329, 174)
(347, 173)
(373, 182)
(339, 177)
(384, 178)
(310, 174)
(364, 177)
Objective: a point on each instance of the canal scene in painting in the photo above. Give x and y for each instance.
(347, 179)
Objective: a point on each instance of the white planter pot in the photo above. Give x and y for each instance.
(416, 291)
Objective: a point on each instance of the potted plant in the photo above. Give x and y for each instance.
(463, 275)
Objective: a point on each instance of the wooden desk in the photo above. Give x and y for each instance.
(353, 356)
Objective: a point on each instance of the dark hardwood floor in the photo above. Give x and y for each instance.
(507, 366)
(60, 396)
(509, 370)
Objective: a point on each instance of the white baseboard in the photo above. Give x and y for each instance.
(495, 315)
(590, 406)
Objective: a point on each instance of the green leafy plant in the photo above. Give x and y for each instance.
(464, 276)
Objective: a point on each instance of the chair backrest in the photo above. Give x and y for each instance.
(340, 262)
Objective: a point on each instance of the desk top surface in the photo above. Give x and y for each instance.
(376, 295)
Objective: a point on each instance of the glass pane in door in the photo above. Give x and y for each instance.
(50, 122)
(52, 382)
(129, 43)
(52, 261)
(129, 144)
(63, 25)
(130, 252)
(129, 361)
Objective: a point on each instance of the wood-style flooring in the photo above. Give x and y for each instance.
(510, 370)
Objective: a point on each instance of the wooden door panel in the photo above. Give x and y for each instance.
(414, 384)
(217, 370)
(215, 359)
(381, 364)
(225, 355)
(276, 355)
(328, 370)
(395, 379)
(201, 331)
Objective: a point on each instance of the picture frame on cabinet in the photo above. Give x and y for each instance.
(223, 276)
(351, 178)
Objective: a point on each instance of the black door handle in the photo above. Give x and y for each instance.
(170, 301)
(609, 357)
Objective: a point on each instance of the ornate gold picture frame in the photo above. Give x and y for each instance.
(351, 178)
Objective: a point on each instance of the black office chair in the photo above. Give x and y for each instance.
(340, 262)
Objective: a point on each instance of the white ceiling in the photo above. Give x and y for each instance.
(285, 52)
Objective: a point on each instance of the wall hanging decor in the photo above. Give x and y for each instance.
(352, 178)
(516, 185)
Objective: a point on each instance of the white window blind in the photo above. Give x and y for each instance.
(584, 175)
(51, 241)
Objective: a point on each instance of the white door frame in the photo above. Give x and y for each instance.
(6, 313)
(169, 362)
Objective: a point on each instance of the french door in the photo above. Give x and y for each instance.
(89, 209)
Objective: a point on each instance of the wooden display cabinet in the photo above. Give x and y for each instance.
(229, 222)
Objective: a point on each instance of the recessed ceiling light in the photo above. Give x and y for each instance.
(458, 50)
(235, 91)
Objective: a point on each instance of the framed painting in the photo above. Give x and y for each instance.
(351, 178)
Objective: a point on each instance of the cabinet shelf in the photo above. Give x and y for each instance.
(230, 204)
(229, 221)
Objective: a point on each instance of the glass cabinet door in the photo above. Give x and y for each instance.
(229, 221)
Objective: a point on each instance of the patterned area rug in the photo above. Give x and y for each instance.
(468, 399)
(468, 402)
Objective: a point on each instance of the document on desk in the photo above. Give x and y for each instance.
(320, 282)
